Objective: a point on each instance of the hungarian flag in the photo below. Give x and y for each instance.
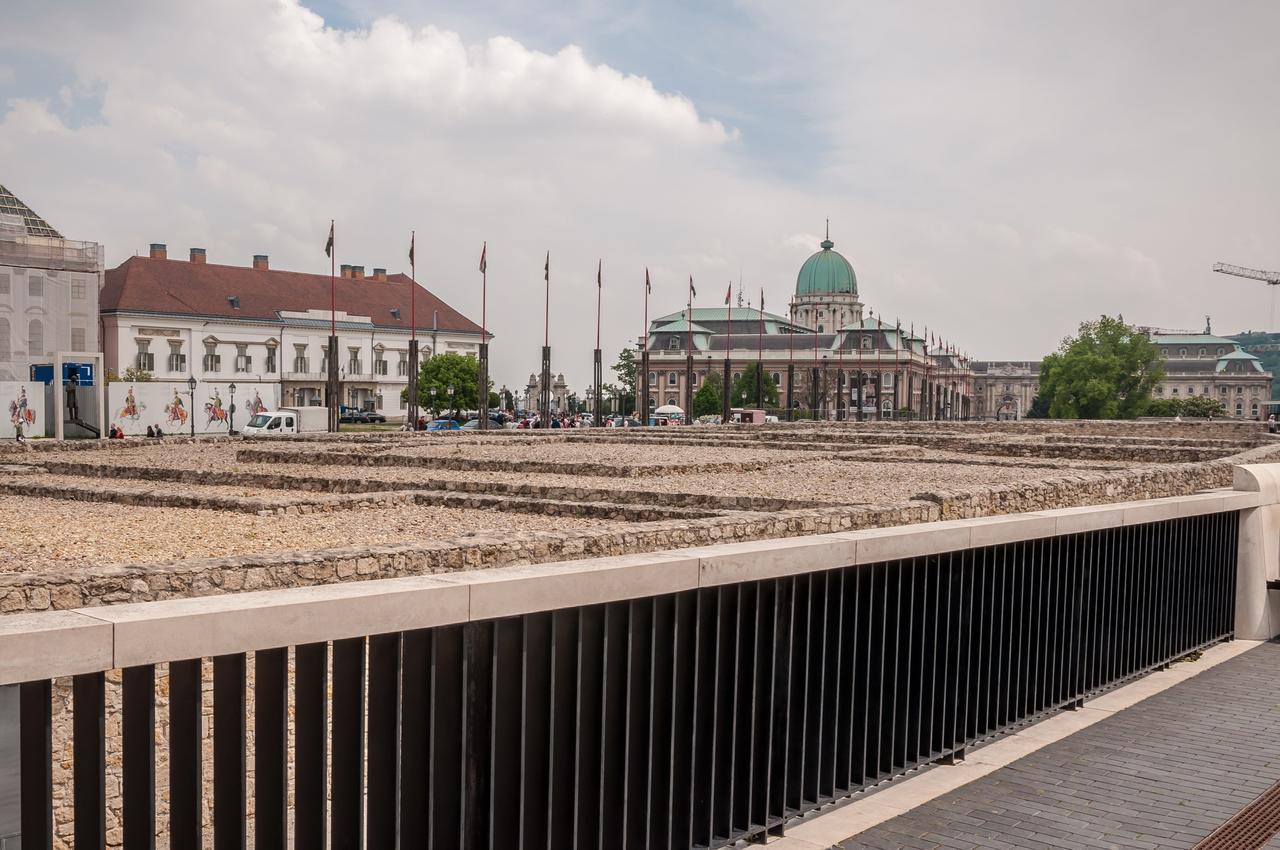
(729, 293)
(412, 239)
(546, 270)
(762, 299)
(648, 287)
(599, 267)
(328, 245)
(484, 264)
(693, 293)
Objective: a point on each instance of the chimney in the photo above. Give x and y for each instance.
(357, 272)
(159, 251)
(197, 255)
(260, 262)
(380, 274)
(344, 270)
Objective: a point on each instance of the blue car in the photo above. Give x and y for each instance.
(442, 425)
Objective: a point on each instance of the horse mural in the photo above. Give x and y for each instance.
(20, 411)
(132, 408)
(175, 412)
(214, 411)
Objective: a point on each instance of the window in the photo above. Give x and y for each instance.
(379, 397)
(77, 339)
(271, 361)
(145, 360)
(212, 360)
(354, 366)
(4, 283)
(244, 362)
(671, 379)
(35, 338)
(1202, 351)
(380, 368)
(777, 379)
(5, 341)
(1191, 390)
(653, 378)
(177, 360)
(402, 368)
(1182, 352)
(300, 361)
(1174, 391)
(865, 342)
(820, 329)
(671, 399)
(77, 289)
(35, 286)
(673, 344)
(1220, 352)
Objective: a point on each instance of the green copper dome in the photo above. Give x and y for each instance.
(825, 273)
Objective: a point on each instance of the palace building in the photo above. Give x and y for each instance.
(829, 357)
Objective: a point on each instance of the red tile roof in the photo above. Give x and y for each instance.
(177, 287)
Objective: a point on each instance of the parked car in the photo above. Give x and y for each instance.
(373, 416)
(443, 425)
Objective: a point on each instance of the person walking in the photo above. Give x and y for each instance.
(17, 431)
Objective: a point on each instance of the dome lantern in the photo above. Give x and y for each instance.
(826, 273)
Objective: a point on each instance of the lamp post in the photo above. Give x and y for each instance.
(231, 422)
(591, 394)
(191, 415)
(451, 410)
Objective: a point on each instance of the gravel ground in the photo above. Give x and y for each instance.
(44, 534)
(13, 484)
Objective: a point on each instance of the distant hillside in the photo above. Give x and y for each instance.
(1266, 347)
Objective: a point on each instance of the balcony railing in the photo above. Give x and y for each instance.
(689, 698)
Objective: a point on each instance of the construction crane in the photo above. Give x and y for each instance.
(1269, 278)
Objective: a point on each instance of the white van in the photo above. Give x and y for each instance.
(288, 420)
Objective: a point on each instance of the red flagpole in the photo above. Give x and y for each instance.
(728, 315)
(333, 287)
(760, 339)
(546, 315)
(646, 312)
(413, 285)
(484, 293)
(599, 292)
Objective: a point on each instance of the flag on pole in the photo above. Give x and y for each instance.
(484, 258)
(599, 268)
(546, 270)
(648, 287)
(693, 293)
(328, 245)
(762, 299)
(728, 294)
(412, 238)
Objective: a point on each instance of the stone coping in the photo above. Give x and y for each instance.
(43, 645)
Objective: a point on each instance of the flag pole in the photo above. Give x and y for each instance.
(482, 398)
(411, 411)
(544, 401)
(726, 412)
(642, 380)
(791, 361)
(760, 355)
(333, 389)
(597, 410)
(688, 363)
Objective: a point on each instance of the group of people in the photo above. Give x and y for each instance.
(115, 432)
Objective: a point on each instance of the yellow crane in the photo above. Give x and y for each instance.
(1269, 278)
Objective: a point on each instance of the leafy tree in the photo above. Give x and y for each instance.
(744, 389)
(1107, 371)
(438, 373)
(625, 369)
(132, 375)
(1203, 406)
(707, 400)
(1039, 408)
(494, 401)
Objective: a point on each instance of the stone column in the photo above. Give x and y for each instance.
(1257, 609)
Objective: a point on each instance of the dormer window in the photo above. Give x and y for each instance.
(234, 301)
(395, 313)
(674, 343)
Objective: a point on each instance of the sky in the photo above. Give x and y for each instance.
(995, 170)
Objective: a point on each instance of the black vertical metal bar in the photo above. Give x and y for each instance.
(229, 766)
(477, 782)
(415, 737)
(562, 785)
(907, 694)
(384, 740)
(875, 672)
(659, 775)
(848, 678)
(448, 778)
(779, 730)
(89, 751)
(744, 701)
(832, 686)
(590, 693)
(537, 794)
(311, 745)
(346, 815)
(815, 689)
(927, 581)
(683, 704)
(35, 755)
(613, 741)
(726, 694)
(138, 746)
(271, 749)
(506, 753)
(186, 772)
(800, 647)
(763, 704)
(639, 707)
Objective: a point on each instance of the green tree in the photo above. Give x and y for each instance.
(625, 369)
(1039, 408)
(1202, 406)
(438, 373)
(744, 388)
(132, 375)
(1165, 407)
(707, 400)
(1106, 371)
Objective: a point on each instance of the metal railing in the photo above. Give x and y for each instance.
(708, 703)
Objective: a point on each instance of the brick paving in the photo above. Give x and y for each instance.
(1162, 774)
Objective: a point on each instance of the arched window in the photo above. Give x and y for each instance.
(671, 379)
(777, 379)
(674, 343)
(4, 340)
(1182, 352)
(35, 338)
(653, 402)
(653, 378)
(819, 328)
(1202, 351)
(865, 342)
(671, 399)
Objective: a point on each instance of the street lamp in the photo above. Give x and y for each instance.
(451, 411)
(191, 414)
(591, 394)
(231, 422)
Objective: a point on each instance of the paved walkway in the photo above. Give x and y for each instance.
(1162, 774)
